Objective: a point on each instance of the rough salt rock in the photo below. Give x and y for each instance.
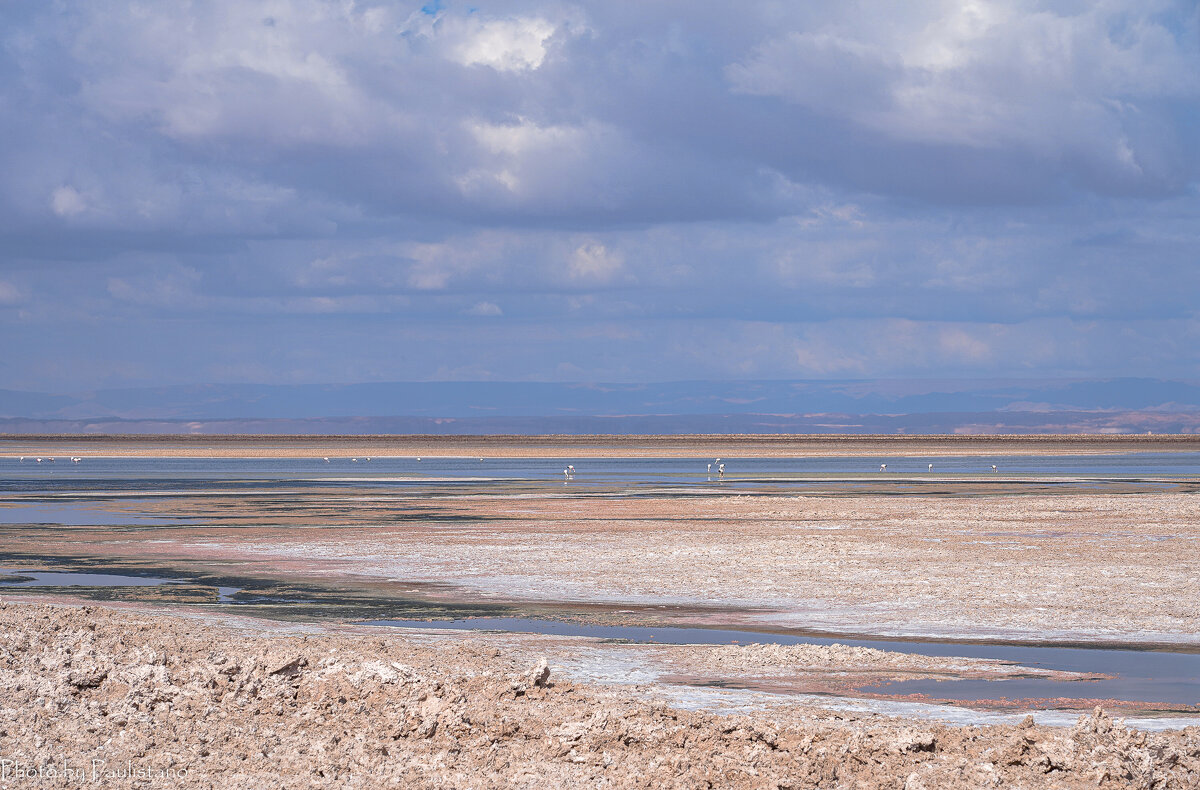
(913, 741)
(289, 668)
(87, 677)
(540, 674)
(371, 670)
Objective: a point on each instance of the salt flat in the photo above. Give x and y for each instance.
(1070, 552)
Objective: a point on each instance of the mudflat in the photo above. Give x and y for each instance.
(1119, 568)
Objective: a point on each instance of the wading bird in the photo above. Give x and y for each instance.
(883, 467)
(721, 471)
(993, 467)
(931, 467)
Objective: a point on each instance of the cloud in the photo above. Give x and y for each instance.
(1083, 92)
(594, 262)
(503, 44)
(67, 202)
(484, 309)
(791, 190)
(11, 295)
(169, 288)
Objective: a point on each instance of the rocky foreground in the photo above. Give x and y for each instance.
(142, 699)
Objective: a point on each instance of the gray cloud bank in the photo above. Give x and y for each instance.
(304, 191)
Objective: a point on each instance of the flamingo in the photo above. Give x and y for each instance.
(39, 460)
(326, 460)
(418, 458)
(993, 467)
(571, 469)
(721, 471)
(75, 459)
(931, 467)
(883, 467)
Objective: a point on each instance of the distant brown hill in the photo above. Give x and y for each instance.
(985, 423)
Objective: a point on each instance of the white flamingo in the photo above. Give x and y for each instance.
(75, 459)
(721, 471)
(993, 467)
(571, 469)
(931, 467)
(326, 460)
(39, 460)
(883, 467)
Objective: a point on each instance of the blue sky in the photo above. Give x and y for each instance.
(299, 191)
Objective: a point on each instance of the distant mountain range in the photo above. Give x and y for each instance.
(1124, 405)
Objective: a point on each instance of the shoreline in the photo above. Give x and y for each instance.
(589, 446)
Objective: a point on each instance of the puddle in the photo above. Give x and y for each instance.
(1165, 692)
(69, 515)
(16, 577)
(1150, 676)
(20, 578)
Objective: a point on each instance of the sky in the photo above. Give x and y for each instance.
(307, 191)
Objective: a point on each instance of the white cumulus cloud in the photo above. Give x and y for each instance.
(503, 44)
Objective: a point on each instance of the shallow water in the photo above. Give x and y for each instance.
(141, 492)
(1165, 693)
(165, 476)
(1161, 677)
(75, 514)
(15, 577)
(72, 579)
